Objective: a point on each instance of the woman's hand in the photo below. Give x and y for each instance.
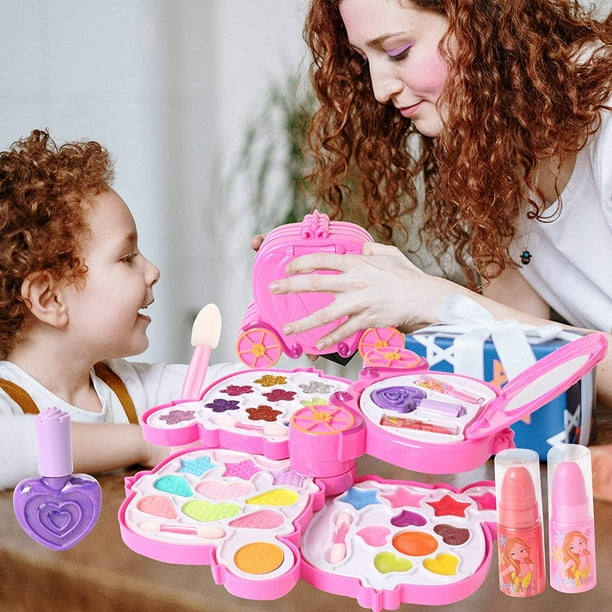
(380, 288)
(256, 241)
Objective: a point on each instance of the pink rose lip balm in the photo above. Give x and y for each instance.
(571, 519)
(60, 508)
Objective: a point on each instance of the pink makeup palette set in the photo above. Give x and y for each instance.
(267, 491)
(272, 493)
(264, 502)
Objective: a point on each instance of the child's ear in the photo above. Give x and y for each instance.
(45, 299)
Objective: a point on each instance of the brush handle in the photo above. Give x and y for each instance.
(196, 372)
(204, 531)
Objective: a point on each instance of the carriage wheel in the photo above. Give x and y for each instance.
(378, 338)
(393, 358)
(322, 419)
(259, 347)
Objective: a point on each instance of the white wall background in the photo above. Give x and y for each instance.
(167, 86)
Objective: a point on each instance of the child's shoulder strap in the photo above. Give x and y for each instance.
(19, 395)
(24, 400)
(104, 372)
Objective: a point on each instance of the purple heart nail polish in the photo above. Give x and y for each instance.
(60, 508)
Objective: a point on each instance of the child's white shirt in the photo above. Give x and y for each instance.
(149, 384)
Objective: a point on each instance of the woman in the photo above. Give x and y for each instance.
(494, 117)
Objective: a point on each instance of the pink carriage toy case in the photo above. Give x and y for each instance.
(261, 342)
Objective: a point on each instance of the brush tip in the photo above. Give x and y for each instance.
(150, 526)
(206, 329)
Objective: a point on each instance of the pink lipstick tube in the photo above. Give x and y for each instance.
(571, 527)
(520, 534)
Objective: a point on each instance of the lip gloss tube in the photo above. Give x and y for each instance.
(520, 534)
(416, 425)
(571, 520)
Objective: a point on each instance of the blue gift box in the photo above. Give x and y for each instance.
(568, 418)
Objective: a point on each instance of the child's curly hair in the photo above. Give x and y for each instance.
(516, 94)
(43, 193)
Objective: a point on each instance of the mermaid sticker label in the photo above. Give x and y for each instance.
(571, 527)
(520, 536)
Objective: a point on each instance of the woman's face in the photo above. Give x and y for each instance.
(400, 44)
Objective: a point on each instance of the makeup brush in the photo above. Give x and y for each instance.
(337, 552)
(204, 337)
(204, 531)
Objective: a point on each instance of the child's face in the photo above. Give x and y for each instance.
(401, 46)
(104, 312)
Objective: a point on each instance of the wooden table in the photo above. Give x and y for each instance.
(101, 573)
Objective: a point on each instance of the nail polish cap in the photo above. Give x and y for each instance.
(53, 436)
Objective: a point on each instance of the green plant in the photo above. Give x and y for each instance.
(272, 161)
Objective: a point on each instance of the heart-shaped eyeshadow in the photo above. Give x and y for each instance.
(451, 535)
(157, 505)
(387, 562)
(204, 511)
(444, 564)
(399, 398)
(374, 535)
(275, 497)
(262, 519)
(219, 490)
(175, 485)
(406, 518)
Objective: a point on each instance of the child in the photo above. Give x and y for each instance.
(73, 291)
(488, 125)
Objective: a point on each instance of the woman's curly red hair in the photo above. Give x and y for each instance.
(516, 94)
(44, 190)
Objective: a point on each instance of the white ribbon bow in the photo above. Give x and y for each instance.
(474, 325)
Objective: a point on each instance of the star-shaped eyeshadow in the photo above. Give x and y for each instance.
(359, 498)
(198, 466)
(449, 506)
(243, 469)
(403, 497)
(289, 477)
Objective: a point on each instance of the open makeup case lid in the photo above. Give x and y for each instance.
(540, 383)
(449, 444)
